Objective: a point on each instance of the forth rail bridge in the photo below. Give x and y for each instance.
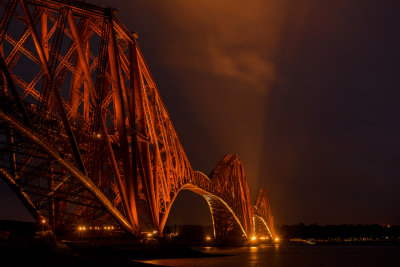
(85, 137)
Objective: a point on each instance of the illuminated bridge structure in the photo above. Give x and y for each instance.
(84, 135)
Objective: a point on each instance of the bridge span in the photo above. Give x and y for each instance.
(85, 136)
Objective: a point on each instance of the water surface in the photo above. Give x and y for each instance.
(294, 255)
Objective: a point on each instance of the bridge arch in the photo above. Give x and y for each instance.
(226, 193)
(264, 225)
(92, 129)
(214, 202)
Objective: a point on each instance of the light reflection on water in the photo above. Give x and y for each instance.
(291, 255)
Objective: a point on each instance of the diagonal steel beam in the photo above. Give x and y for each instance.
(46, 68)
(120, 118)
(15, 93)
(86, 181)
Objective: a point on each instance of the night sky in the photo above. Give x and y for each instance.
(306, 92)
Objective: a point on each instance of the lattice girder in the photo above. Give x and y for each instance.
(83, 126)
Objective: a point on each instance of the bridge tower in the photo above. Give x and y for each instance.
(85, 137)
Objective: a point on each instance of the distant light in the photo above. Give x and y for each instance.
(98, 135)
(149, 234)
(112, 227)
(276, 239)
(80, 228)
(253, 237)
(43, 221)
(262, 238)
(208, 238)
(83, 228)
(154, 232)
(105, 228)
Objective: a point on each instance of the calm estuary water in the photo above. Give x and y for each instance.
(292, 255)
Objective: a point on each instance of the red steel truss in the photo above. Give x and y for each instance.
(84, 134)
(262, 214)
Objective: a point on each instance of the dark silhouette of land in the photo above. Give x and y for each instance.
(344, 232)
(42, 248)
(15, 230)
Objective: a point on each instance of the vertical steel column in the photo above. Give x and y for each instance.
(120, 118)
(133, 76)
(75, 90)
(144, 147)
(82, 58)
(51, 198)
(81, 67)
(45, 40)
(117, 175)
(12, 158)
(51, 78)
(86, 89)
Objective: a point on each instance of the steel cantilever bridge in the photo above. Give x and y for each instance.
(85, 136)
